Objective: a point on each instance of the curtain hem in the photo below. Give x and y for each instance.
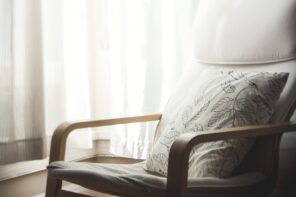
(25, 150)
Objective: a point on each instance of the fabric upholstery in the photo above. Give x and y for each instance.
(218, 99)
(132, 180)
(195, 69)
(245, 32)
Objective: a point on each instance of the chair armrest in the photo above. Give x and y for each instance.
(180, 150)
(59, 138)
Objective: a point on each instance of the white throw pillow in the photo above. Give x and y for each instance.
(218, 99)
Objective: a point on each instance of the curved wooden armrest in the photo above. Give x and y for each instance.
(180, 150)
(59, 138)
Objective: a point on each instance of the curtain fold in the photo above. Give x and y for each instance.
(154, 49)
(21, 86)
(65, 60)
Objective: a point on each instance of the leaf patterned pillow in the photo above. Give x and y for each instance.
(222, 99)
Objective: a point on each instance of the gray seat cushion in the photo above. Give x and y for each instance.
(133, 180)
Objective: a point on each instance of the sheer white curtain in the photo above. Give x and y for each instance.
(149, 48)
(84, 59)
(22, 115)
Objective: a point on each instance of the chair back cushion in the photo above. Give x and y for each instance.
(245, 31)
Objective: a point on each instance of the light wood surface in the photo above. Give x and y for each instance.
(58, 142)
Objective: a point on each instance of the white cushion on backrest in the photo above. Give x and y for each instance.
(193, 71)
(219, 98)
(245, 31)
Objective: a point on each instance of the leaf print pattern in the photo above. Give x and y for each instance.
(276, 82)
(159, 159)
(227, 87)
(186, 115)
(196, 115)
(225, 104)
(245, 105)
(227, 99)
(195, 128)
(236, 75)
(217, 119)
(168, 139)
(263, 109)
(243, 118)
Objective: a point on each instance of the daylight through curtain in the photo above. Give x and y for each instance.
(87, 59)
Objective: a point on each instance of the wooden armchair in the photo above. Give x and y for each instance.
(244, 36)
(178, 160)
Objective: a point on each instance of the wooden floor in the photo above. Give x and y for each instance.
(81, 190)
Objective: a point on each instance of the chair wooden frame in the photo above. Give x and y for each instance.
(178, 156)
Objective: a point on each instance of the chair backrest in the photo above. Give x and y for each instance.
(246, 35)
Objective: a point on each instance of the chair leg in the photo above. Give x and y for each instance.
(53, 185)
